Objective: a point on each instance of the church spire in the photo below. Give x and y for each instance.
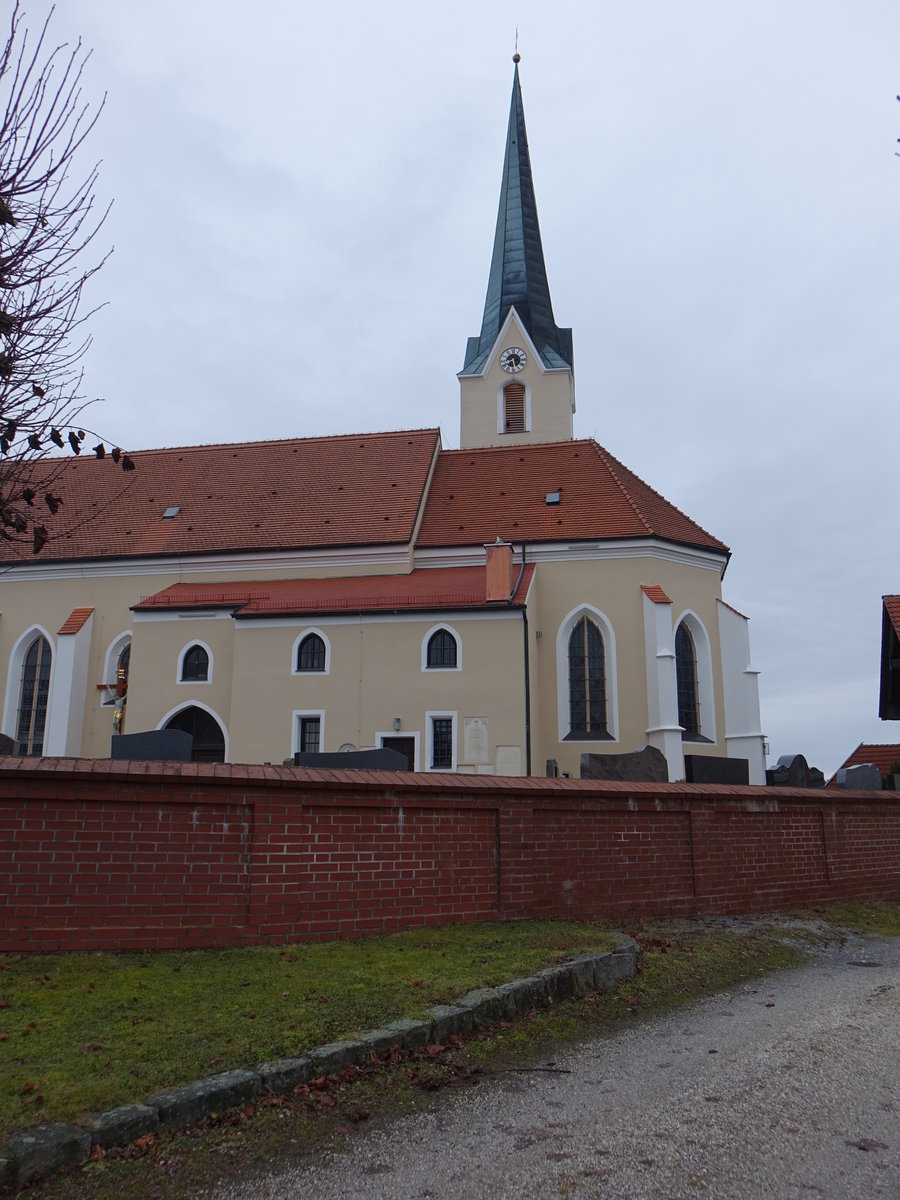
(518, 277)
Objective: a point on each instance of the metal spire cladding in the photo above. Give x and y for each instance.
(518, 277)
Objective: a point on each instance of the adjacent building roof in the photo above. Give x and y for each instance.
(518, 276)
(501, 491)
(883, 755)
(438, 588)
(360, 489)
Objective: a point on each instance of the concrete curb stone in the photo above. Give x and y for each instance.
(47, 1149)
(119, 1126)
(283, 1076)
(334, 1056)
(201, 1099)
(54, 1146)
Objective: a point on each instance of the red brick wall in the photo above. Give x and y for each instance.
(103, 855)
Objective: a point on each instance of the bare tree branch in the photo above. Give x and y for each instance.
(49, 218)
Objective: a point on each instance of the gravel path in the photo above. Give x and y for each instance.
(785, 1088)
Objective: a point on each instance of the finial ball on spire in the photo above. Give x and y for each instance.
(517, 58)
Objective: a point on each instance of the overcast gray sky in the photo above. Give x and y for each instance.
(305, 197)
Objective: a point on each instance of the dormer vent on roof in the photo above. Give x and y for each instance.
(171, 512)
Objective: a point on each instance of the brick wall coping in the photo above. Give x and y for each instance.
(255, 776)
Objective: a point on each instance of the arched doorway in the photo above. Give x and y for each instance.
(209, 740)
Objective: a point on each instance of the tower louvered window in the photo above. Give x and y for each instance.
(514, 408)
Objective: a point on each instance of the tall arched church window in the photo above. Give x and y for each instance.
(195, 665)
(686, 678)
(514, 408)
(587, 681)
(34, 695)
(441, 650)
(311, 653)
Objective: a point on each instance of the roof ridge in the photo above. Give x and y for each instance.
(322, 437)
(653, 490)
(518, 447)
(603, 455)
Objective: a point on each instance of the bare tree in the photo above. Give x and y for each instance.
(48, 222)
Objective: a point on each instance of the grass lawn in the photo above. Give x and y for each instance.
(82, 1032)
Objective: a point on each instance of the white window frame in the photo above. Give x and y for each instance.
(14, 678)
(442, 625)
(430, 718)
(111, 665)
(706, 694)
(603, 623)
(402, 733)
(209, 674)
(296, 716)
(295, 653)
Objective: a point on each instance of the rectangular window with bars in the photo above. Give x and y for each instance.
(310, 733)
(442, 743)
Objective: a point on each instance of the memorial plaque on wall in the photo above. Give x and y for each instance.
(476, 744)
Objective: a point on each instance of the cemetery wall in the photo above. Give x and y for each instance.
(96, 854)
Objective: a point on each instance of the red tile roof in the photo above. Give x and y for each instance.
(655, 593)
(478, 495)
(883, 755)
(76, 620)
(445, 588)
(892, 608)
(364, 489)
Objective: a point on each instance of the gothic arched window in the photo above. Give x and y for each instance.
(587, 681)
(311, 653)
(34, 695)
(686, 679)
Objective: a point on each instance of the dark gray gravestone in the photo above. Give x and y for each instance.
(791, 770)
(714, 768)
(7, 744)
(552, 770)
(361, 760)
(156, 745)
(646, 764)
(865, 776)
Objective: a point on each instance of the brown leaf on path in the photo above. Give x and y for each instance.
(145, 1141)
(97, 1153)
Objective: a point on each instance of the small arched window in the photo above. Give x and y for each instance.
(442, 650)
(686, 679)
(311, 653)
(587, 681)
(195, 665)
(34, 695)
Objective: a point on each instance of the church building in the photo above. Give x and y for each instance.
(524, 598)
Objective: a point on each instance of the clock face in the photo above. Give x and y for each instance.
(513, 360)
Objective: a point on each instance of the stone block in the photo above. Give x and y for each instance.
(450, 1019)
(489, 1006)
(610, 968)
(46, 1149)
(334, 1056)
(411, 1033)
(583, 970)
(283, 1076)
(865, 776)
(381, 1041)
(561, 982)
(201, 1099)
(119, 1126)
(7, 1173)
(531, 992)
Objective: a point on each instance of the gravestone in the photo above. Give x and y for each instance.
(644, 765)
(792, 770)
(7, 744)
(156, 745)
(552, 770)
(862, 777)
(715, 768)
(381, 759)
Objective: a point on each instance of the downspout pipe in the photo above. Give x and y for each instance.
(527, 670)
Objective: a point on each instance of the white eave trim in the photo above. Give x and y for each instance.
(467, 556)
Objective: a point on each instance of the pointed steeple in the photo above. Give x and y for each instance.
(518, 277)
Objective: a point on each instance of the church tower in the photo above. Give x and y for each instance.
(517, 385)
